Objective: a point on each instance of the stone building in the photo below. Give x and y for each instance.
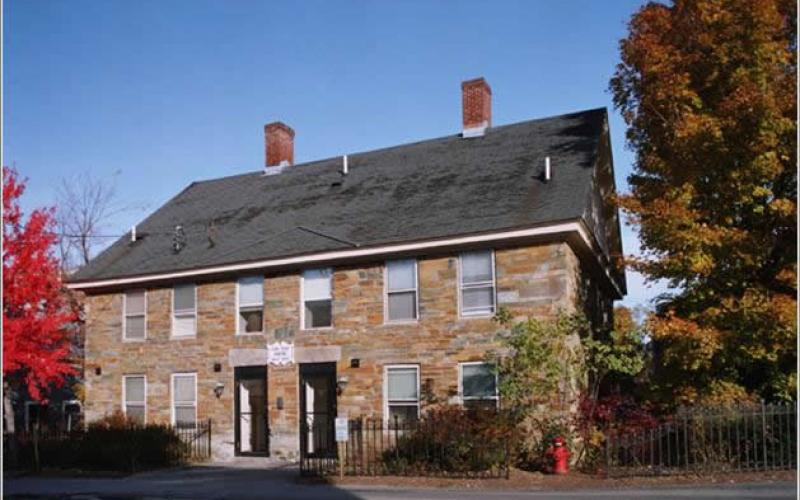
(272, 301)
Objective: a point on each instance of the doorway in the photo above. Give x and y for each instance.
(250, 407)
(317, 409)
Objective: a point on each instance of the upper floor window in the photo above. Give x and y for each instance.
(250, 307)
(134, 395)
(316, 292)
(401, 290)
(477, 283)
(184, 310)
(478, 385)
(134, 311)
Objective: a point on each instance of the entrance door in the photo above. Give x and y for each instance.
(250, 405)
(317, 409)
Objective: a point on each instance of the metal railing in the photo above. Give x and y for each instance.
(723, 439)
(196, 439)
(419, 448)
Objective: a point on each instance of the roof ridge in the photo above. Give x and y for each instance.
(413, 143)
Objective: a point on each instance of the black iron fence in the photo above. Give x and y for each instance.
(395, 447)
(729, 439)
(196, 439)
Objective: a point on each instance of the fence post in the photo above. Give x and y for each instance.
(764, 433)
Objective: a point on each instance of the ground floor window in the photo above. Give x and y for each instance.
(478, 385)
(184, 399)
(134, 394)
(72, 414)
(35, 414)
(401, 384)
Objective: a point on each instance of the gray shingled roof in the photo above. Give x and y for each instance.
(434, 188)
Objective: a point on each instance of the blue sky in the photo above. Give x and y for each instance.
(165, 92)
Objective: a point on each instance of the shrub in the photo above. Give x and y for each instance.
(114, 443)
(452, 440)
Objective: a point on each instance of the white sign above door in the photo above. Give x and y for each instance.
(280, 353)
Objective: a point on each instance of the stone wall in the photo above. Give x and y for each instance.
(537, 280)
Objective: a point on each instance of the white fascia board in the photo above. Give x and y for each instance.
(331, 256)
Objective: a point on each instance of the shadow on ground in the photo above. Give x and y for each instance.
(196, 482)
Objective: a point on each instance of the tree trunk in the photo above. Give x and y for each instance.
(10, 431)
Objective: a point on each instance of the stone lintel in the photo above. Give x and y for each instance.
(247, 357)
(321, 354)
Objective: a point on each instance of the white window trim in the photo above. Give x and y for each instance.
(172, 395)
(418, 404)
(252, 306)
(28, 405)
(386, 320)
(482, 284)
(303, 301)
(463, 398)
(125, 316)
(172, 315)
(125, 396)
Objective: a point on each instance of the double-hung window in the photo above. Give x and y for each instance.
(184, 399)
(250, 307)
(317, 305)
(478, 385)
(477, 283)
(135, 315)
(401, 290)
(402, 394)
(134, 394)
(184, 311)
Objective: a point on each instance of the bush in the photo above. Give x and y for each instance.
(114, 443)
(452, 440)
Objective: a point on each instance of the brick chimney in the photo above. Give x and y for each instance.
(279, 144)
(476, 106)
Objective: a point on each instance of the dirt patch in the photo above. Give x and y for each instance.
(522, 480)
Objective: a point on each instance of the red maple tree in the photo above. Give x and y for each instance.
(36, 312)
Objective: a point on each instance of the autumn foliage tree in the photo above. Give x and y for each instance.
(36, 311)
(708, 91)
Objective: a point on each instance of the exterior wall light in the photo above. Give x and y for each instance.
(218, 389)
(341, 384)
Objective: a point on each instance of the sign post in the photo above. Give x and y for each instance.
(341, 440)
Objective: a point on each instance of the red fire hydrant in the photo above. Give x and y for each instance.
(559, 454)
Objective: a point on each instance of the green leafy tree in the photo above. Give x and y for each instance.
(708, 91)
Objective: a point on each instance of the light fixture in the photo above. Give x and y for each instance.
(341, 384)
(218, 389)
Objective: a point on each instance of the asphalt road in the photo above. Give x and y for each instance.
(214, 483)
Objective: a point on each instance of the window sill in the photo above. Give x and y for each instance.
(477, 316)
(316, 329)
(134, 341)
(401, 322)
(249, 334)
(182, 337)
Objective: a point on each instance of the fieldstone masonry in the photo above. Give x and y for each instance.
(532, 280)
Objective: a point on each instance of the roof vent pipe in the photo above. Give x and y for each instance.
(547, 172)
(344, 165)
(133, 234)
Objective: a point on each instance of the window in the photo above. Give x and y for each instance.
(250, 308)
(401, 290)
(134, 310)
(35, 414)
(134, 394)
(402, 394)
(184, 399)
(478, 385)
(72, 413)
(316, 291)
(477, 283)
(184, 311)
